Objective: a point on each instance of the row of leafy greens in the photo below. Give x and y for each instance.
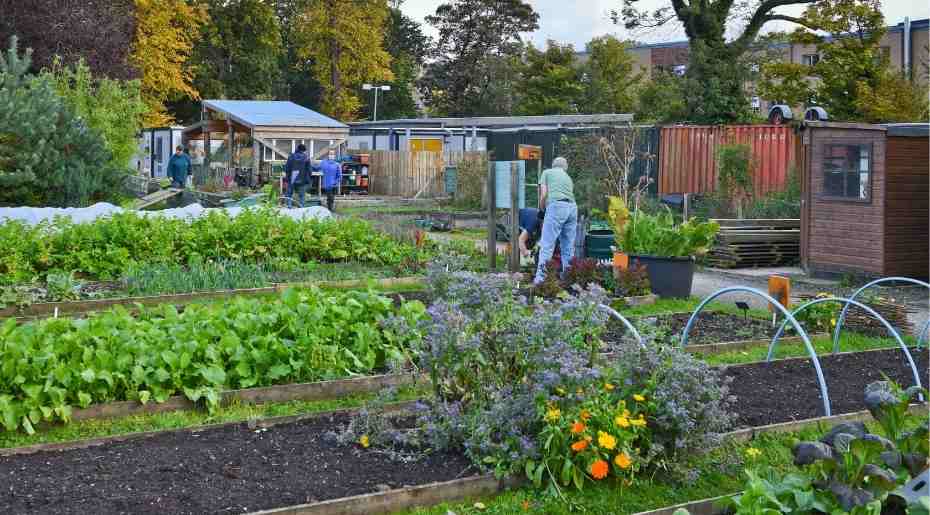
(108, 247)
(49, 367)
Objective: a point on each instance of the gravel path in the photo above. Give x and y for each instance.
(707, 281)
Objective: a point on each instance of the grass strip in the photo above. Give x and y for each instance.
(716, 473)
(235, 412)
(850, 342)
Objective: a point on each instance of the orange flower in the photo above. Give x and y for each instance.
(623, 461)
(599, 469)
(585, 415)
(580, 445)
(525, 505)
(577, 427)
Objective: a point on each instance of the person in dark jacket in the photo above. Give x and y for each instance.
(332, 176)
(297, 175)
(178, 167)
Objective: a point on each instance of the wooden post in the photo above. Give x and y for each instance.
(255, 157)
(514, 218)
(685, 207)
(492, 225)
(230, 142)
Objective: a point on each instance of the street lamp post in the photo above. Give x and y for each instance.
(367, 87)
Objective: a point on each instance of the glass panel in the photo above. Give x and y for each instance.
(285, 146)
(846, 170)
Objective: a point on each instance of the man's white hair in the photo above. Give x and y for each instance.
(560, 162)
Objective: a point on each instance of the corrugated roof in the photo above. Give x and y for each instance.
(501, 121)
(275, 113)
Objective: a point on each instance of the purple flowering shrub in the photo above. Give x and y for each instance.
(493, 358)
(693, 404)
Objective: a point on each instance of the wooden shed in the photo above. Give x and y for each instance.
(865, 206)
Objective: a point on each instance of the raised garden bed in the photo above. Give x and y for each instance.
(786, 390)
(231, 469)
(711, 327)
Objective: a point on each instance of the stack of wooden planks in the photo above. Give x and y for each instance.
(744, 243)
(859, 321)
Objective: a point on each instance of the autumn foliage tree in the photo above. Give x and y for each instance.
(853, 79)
(344, 40)
(165, 34)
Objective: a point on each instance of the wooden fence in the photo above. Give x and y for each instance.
(413, 174)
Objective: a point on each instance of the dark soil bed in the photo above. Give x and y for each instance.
(787, 390)
(710, 327)
(407, 296)
(228, 470)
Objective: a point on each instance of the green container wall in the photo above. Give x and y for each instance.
(598, 243)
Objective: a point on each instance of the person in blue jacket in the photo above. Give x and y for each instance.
(178, 167)
(297, 175)
(332, 176)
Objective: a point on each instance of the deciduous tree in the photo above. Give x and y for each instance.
(98, 31)
(611, 80)
(550, 80)
(344, 40)
(408, 47)
(112, 108)
(477, 39)
(165, 33)
(716, 71)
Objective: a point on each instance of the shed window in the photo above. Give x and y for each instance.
(847, 171)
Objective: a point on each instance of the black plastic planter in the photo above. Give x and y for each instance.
(669, 277)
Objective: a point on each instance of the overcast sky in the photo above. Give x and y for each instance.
(577, 22)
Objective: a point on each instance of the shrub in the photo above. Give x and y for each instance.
(692, 401)
(658, 235)
(491, 356)
(582, 272)
(633, 281)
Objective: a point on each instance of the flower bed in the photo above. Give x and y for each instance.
(49, 367)
(710, 327)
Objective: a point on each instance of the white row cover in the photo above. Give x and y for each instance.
(37, 215)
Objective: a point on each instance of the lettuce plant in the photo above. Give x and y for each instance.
(657, 235)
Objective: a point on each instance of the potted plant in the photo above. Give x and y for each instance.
(667, 250)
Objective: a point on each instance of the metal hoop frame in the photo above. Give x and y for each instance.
(842, 318)
(847, 302)
(611, 311)
(788, 316)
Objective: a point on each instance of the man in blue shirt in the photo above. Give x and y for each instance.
(529, 229)
(332, 176)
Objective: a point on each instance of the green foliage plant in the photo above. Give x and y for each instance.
(50, 367)
(658, 235)
(734, 173)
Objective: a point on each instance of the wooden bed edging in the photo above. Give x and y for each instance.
(322, 390)
(47, 309)
(393, 407)
(403, 498)
(702, 507)
(748, 434)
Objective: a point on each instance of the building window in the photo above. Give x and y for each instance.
(810, 59)
(158, 149)
(269, 154)
(847, 171)
(679, 69)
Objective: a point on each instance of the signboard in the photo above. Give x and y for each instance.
(780, 290)
(529, 152)
(502, 184)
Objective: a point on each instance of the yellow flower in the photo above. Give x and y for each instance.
(626, 413)
(553, 414)
(585, 414)
(622, 421)
(638, 398)
(608, 387)
(364, 442)
(833, 322)
(606, 440)
(753, 453)
(579, 391)
(638, 422)
(560, 391)
(623, 461)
